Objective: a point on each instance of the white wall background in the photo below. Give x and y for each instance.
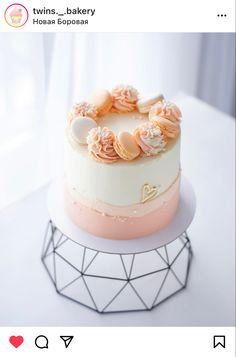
(41, 75)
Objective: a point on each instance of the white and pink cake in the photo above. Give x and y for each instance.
(122, 163)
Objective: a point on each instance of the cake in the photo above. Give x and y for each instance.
(122, 163)
(16, 15)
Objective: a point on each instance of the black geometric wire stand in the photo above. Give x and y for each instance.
(113, 282)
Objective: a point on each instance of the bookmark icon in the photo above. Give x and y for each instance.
(219, 340)
(67, 340)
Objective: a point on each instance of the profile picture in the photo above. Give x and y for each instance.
(16, 15)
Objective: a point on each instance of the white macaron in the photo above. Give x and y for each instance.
(144, 104)
(80, 128)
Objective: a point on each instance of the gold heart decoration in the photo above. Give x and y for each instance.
(149, 192)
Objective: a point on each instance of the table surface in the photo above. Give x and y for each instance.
(28, 298)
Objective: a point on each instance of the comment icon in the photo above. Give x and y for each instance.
(41, 342)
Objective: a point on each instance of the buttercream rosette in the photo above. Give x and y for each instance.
(150, 138)
(124, 98)
(166, 110)
(83, 109)
(101, 145)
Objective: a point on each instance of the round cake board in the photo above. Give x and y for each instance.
(180, 223)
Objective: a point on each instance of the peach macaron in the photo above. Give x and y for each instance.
(168, 128)
(126, 147)
(102, 100)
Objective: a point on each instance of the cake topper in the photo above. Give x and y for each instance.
(149, 192)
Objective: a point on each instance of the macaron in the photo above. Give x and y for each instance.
(145, 104)
(168, 128)
(102, 100)
(80, 128)
(126, 147)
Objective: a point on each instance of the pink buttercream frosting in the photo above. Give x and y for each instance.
(133, 210)
(150, 138)
(124, 98)
(100, 145)
(166, 110)
(102, 224)
(83, 109)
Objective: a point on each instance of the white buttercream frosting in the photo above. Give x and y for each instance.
(120, 184)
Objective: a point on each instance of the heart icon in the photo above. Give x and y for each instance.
(149, 192)
(16, 341)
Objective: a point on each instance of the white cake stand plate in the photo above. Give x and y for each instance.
(113, 276)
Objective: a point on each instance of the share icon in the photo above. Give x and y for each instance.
(67, 340)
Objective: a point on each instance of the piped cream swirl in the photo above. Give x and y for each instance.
(166, 110)
(150, 138)
(101, 145)
(124, 98)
